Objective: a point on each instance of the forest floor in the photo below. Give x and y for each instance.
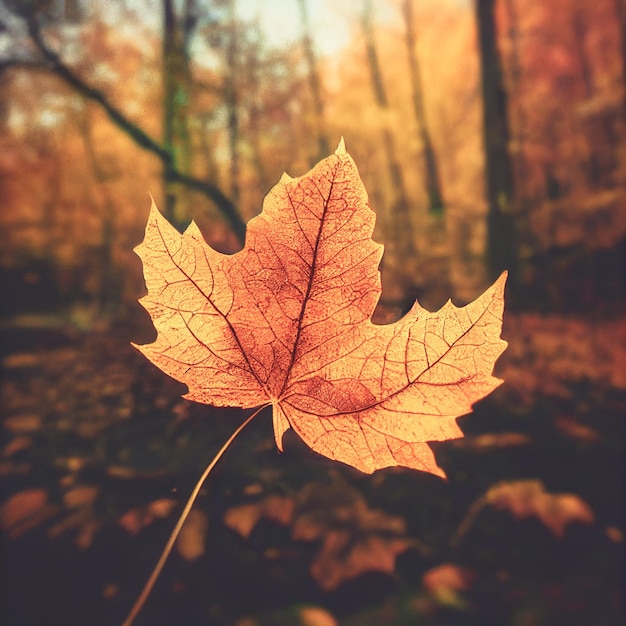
(99, 453)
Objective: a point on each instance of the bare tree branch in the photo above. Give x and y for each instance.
(137, 134)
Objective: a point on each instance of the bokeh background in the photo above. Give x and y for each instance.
(490, 135)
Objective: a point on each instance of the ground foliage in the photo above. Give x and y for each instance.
(99, 453)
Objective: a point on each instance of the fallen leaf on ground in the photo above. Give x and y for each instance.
(26, 510)
(16, 445)
(137, 518)
(80, 496)
(21, 506)
(528, 497)
(576, 430)
(191, 542)
(354, 538)
(242, 519)
(286, 322)
(21, 360)
(316, 616)
(446, 580)
(22, 423)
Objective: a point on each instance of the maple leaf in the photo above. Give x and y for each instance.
(286, 322)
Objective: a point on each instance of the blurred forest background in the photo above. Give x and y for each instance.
(490, 134)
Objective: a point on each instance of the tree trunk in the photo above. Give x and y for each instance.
(620, 7)
(400, 228)
(519, 123)
(323, 145)
(431, 169)
(232, 102)
(110, 288)
(176, 97)
(580, 28)
(254, 118)
(501, 250)
(206, 153)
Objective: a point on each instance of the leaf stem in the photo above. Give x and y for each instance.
(143, 596)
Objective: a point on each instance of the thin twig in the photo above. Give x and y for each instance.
(143, 596)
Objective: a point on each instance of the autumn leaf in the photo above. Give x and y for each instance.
(286, 322)
(445, 581)
(138, 518)
(354, 539)
(526, 498)
(245, 517)
(21, 506)
(191, 543)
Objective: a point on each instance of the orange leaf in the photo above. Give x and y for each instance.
(191, 542)
(245, 517)
(354, 538)
(287, 321)
(21, 506)
(524, 498)
(445, 581)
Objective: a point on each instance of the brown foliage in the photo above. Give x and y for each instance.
(526, 498)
